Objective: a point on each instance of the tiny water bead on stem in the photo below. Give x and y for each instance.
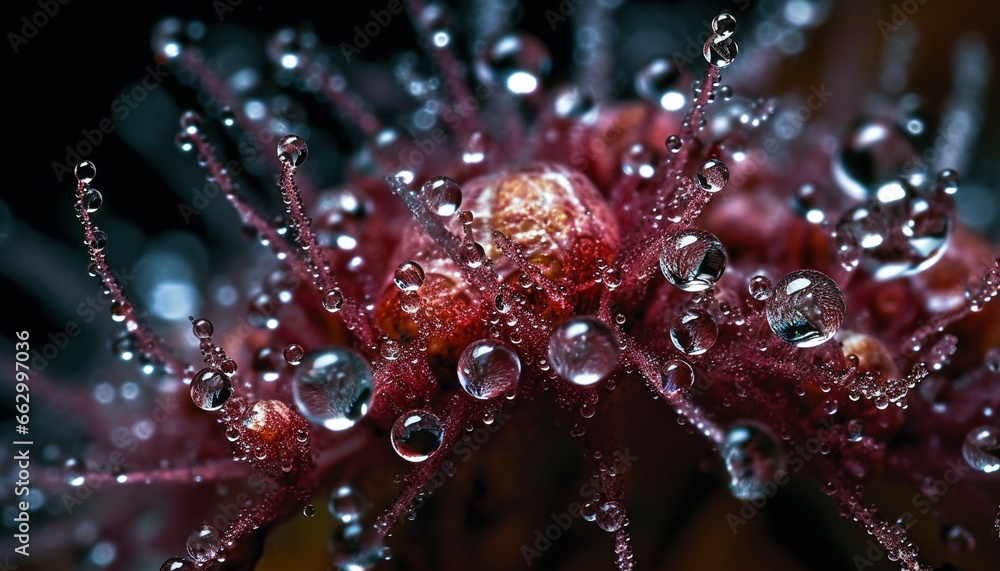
(522, 270)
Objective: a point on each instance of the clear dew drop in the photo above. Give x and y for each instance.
(720, 51)
(443, 195)
(202, 328)
(99, 241)
(92, 200)
(673, 144)
(416, 435)
(713, 175)
(85, 172)
(177, 564)
(753, 457)
(949, 180)
(724, 25)
(872, 152)
(657, 82)
(409, 276)
(981, 449)
(898, 233)
(517, 60)
(292, 150)
(759, 287)
(203, 544)
(806, 308)
(488, 369)
(333, 300)
(210, 389)
(693, 259)
(293, 354)
(333, 387)
(74, 472)
(855, 430)
(610, 516)
(347, 505)
(676, 375)
(583, 350)
(694, 332)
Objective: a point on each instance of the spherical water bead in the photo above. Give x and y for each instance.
(610, 516)
(99, 241)
(333, 300)
(583, 350)
(675, 376)
(416, 435)
(74, 472)
(806, 308)
(897, 233)
(724, 25)
(92, 200)
(488, 369)
(949, 180)
(753, 457)
(673, 144)
(981, 449)
(443, 195)
(639, 160)
(202, 328)
(759, 287)
(720, 51)
(203, 545)
(693, 259)
(177, 564)
(694, 332)
(333, 388)
(572, 102)
(409, 276)
(227, 116)
(872, 152)
(713, 175)
(293, 354)
(518, 61)
(210, 389)
(85, 172)
(347, 505)
(657, 81)
(292, 150)
(855, 430)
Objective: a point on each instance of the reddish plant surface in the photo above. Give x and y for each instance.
(776, 293)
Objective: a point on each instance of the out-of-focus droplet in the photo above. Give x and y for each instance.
(333, 388)
(981, 449)
(753, 458)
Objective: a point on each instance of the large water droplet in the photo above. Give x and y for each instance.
(759, 287)
(210, 389)
(292, 150)
(981, 449)
(610, 516)
(333, 387)
(443, 195)
(416, 435)
(720, 51)
(694, 332)
(203, 544)
(724, 25)
(656, 82)
(753, 457)
(898, 233)
(583, 350)
(92, 200)
(675, 376)
(713, 175)
(517, 61)
(409, 276)
(693, 259)
(177, 564)
(347, 505)
(806, 308)
(872, 152)
(488, 369)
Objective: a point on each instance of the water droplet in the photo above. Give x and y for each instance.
(333, 387)
(753, 458)
(760, 287)
(949, 180)
(416, 435)
(518, 61)
(693, 259)
(409, 276)
(694, 332)
(488, 369)
(347, 505)
(656, 82)
(99, 241)
(639, 160)
(583, 350)
(676, 375)
(74, 472)
(309, 510)
(292, 150)
(958, 539)
(85, 172)
(589, 510)
(610, 516)
(572, 102)
(713, 175)
(674, 144)
(227, 116)
(202, 328)
(293, 354)
(92, 200)
(981, 449)
(443, 195)
(855, 430)
(806, 308)
(210, 389)
(720, 51)
(724, 25)
(897, 233)
(389, 348)
(203, 544)
(872, 152)
(333, 300)
(177, 564)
